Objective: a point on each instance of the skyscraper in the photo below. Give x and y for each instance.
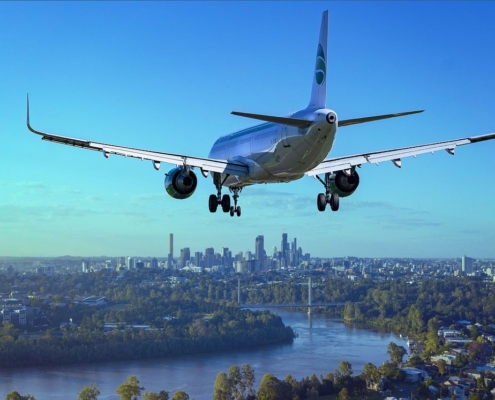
(285, 251)
(259, 248)
(171, 253)
(467, 265)
(209, 257)
(198, 259)
(284, 246)
(185, 255)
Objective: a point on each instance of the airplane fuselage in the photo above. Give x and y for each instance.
(275, 152)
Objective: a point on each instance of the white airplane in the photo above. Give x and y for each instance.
(282, 149)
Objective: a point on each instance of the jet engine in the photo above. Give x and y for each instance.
(344, 184)
(180, 183)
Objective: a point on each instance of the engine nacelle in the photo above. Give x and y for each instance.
(180, 184)
(344, 184)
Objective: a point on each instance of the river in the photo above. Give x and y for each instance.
(319, 348)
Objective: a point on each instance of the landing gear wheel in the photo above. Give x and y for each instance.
(225, 203)
(334, 201)
(213, 203)
(231, 211)
(238, 211)
(321, 202)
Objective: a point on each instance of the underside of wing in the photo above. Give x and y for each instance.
(206, 164)
(394, 155)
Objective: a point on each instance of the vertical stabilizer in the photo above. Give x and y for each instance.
(319, 90)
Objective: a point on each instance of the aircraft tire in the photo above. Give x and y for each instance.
(321, 202)
(334, 201)
(226, 203)
(212, 203)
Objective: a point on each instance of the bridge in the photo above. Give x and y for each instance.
(291, 305)
(309, 304)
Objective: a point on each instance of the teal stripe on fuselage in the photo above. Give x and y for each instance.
(244, 132)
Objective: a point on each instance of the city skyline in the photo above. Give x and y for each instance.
(166, 76)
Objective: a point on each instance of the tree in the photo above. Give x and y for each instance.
(346, 368)
(371, 376)
(90, 392)
(396, 353)
(235, 380)
(222, 389)
(391, 371)
(247, 381)
(344, 394)
(180, 395)
(441, 366)
(163, 395)
(129, 389)
(273, 389)
(16, 396)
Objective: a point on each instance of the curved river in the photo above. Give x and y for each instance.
(321, 345)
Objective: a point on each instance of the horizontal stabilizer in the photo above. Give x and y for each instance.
(346, 122)
(298, 123)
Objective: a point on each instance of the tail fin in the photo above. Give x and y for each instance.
(319, 91)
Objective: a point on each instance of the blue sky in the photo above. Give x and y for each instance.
(166, 75)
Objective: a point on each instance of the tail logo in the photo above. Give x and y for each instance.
(321, 66)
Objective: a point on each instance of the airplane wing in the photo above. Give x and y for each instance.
(394, 155)
(206, 164)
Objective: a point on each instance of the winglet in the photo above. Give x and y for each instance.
(27, 116)
(319, 90)
(28, 122)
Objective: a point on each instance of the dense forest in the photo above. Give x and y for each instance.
(190, 317)
(400, 304)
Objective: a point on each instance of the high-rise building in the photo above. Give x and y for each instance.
(170, 262)
(284, 246)
(467, 265)
(185, 255)
(198, 257)
(171, 244)
(209, 257)
(259, 248)
(154, 263)
(226, 257)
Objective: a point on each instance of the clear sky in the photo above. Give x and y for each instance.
(166, 75)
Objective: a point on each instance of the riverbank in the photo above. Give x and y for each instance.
(321, 344)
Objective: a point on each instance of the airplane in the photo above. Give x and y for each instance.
(281, 149)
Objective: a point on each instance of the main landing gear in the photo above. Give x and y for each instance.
(224, 201)
(327, 198)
